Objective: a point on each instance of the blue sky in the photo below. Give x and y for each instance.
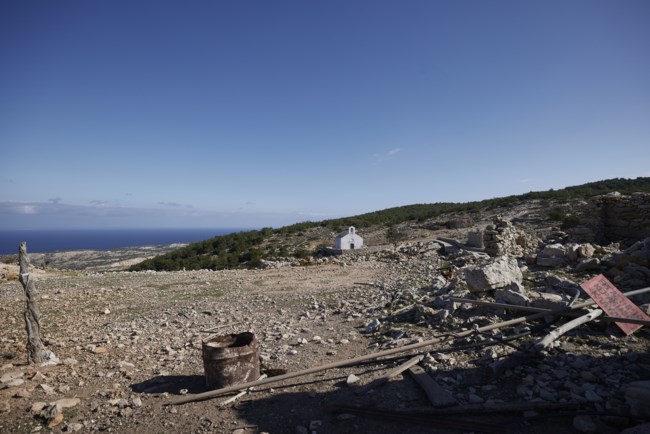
(264, 113)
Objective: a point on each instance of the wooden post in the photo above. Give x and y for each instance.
(36, 352)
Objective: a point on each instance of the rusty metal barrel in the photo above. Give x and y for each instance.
(231, 359)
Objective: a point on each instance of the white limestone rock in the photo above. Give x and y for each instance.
(497, 273)
(514, 293)
(552, 255)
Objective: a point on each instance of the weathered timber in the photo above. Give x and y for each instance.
(36, 352)
(390, 374)
(543, 343)
(519, 357)
(572, 313)
(437, 395)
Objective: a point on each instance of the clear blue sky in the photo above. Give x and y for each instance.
(264, 113)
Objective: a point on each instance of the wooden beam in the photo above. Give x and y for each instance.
(572, 313)
(437, 395)
(390, 374)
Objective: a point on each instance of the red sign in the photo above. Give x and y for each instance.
(613, 302)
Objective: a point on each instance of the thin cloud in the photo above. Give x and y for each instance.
(380, 158)
(20, 208)
(171, 204)
(97, 208)
(314, 214)
(27, 209)
(55, 200)
(394, 151)
(62, 215)
(99, 202)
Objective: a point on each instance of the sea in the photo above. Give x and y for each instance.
(45, 241)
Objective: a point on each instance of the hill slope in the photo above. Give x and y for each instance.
(302, 240)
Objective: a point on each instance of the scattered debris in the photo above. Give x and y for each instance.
(447, 330)
(240, 394)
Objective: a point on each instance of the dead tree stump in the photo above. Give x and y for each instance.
(36, 352)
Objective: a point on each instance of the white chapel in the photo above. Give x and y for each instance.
(348, 240)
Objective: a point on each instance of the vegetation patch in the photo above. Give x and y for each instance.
(248, 249)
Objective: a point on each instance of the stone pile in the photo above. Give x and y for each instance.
(503, 238)
(597, 378)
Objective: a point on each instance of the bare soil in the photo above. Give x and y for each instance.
(131, 342)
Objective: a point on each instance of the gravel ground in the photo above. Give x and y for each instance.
(129, 343)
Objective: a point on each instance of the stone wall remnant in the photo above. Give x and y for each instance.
(614, 217)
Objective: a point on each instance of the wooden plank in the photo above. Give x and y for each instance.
(386, 377)
(573, 313)
(438, 396)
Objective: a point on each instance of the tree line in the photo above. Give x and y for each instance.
(247, 248)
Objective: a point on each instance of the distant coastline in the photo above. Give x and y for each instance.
(57, 240)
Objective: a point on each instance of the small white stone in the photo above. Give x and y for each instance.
(9, 376)
(15, 382)
(352, 379)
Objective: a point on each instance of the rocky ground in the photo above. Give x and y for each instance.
(130, 343)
